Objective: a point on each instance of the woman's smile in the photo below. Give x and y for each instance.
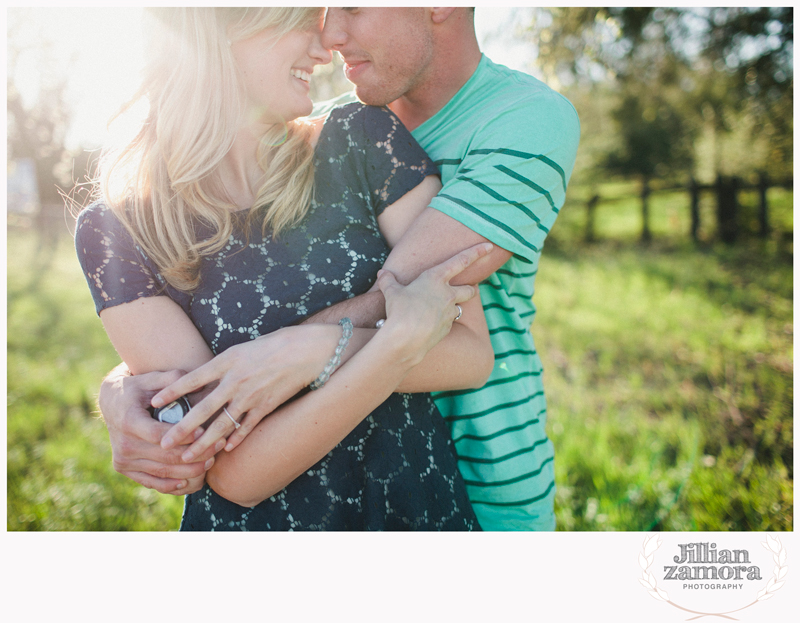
(277, 72)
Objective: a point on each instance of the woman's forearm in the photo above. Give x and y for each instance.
(296, 436)
(464, 359)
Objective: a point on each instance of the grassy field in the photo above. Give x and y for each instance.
(59, 460)
(668, 369)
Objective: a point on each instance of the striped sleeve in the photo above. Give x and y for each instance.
(512, 181)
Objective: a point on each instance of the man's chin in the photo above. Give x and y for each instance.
(371, 97)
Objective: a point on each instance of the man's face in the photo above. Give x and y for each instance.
(386, 50)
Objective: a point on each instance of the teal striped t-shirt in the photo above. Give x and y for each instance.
(505, 145)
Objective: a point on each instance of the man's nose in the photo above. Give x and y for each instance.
(333, 35)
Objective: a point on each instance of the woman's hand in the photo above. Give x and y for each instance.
(254, 378)
(422, 313)
(300, 433)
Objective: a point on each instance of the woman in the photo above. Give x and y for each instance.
(185, 263)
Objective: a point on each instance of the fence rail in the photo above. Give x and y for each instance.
(726, 190)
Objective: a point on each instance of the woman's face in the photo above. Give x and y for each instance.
(276, 73)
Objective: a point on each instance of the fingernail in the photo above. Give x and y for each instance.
(380, 272)
(488, 246)
(181, 485)
(229, 447)
(220, 445)
(157, 402)
(187, 456)
(209, 463)
(198, 432)
(167, 443)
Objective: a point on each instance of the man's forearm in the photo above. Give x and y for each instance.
(364, 310)
(434, 237)
(110, 389)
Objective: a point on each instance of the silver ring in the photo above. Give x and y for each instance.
(459, 312)
(236, 424)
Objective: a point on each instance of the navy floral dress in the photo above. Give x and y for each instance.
(397, 470)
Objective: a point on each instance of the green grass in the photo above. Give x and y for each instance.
(668, 370)
(59, 460)
(669, 380)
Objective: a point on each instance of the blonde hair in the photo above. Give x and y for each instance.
(167, 177)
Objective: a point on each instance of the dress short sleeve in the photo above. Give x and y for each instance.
(115, 269)
(394, 162)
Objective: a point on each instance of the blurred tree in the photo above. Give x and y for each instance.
(718, 78)
(37, 130)
(38, 119)
(751, 48)
(652, 145)
(752, 45)
(591, 46)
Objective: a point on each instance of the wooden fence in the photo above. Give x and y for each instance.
(726, 189)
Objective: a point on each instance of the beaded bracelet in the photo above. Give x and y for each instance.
(347, 333)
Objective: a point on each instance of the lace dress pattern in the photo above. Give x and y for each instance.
(397, 469)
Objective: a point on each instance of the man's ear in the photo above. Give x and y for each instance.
(440, 13)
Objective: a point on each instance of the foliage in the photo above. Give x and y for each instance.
(720, 76)
(37, 129)
(756, 45)
(650, 132)
(594, 43)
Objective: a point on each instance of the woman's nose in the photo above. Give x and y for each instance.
(319, 53)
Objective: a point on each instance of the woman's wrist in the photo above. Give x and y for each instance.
(336, 359)
(310, 346)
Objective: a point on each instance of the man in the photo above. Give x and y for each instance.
(505, 145)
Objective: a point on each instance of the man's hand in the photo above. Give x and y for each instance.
(136, 437)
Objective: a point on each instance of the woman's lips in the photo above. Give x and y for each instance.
(302, 77)
(301, 83)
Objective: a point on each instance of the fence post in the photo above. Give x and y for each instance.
(590, 210)
(646, 235)
(694, 207)
(727, 208)
(763, 209)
